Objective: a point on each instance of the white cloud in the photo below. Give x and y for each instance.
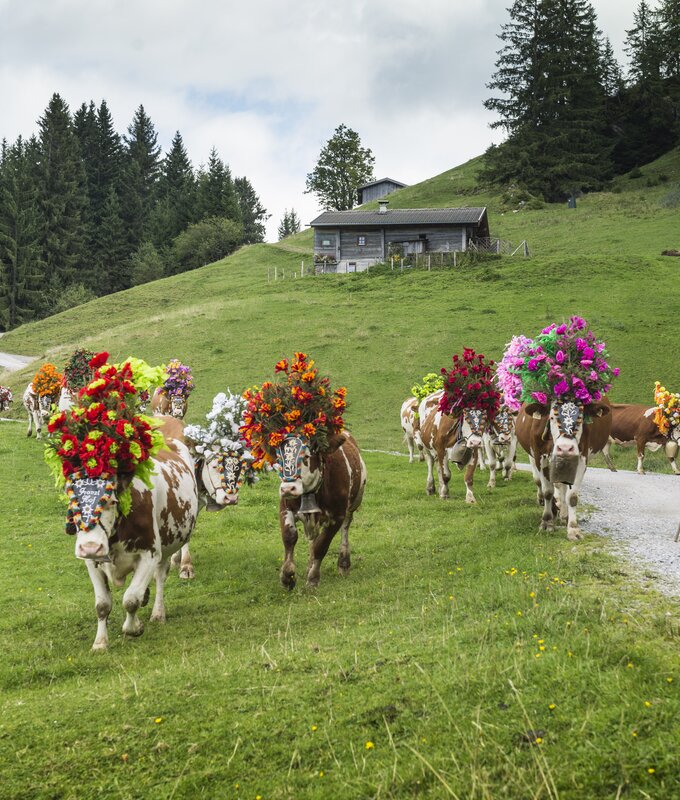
(267, 82)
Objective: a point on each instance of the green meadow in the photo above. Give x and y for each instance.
(466, 655)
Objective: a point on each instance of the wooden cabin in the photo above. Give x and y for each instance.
(351, 241)
(377, 189)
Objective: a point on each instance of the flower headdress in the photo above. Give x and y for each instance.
(507, 380)
(178, 381)
(469, 384)
(5, 395)
(47, 381)
(223, 431)
(78, 372)
(667, 413)
(431, 383)
(303, 404)
(565, 361)
(102, 435)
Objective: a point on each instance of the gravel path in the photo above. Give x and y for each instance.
(12, 363)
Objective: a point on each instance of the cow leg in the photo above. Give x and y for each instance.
(409, 444)
(488, 449)
(509, 463)
(607, 455)
(573, 530)
(429, 486)
(547, 492)
(343, 556)
(538, 482)
(483, 458)
(134, 594)
(317, 551)
(182, 560)
(29, 431)
(38, 424)
(672, 453)
(158, 610)
(289, 534)
(102, 604)
(640, 456)
(562, 502)
(444, 474)
(470, 477)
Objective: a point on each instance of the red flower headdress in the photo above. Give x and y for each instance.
(303, 405)
(469, 384)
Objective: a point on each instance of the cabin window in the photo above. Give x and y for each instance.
(325, 243)
(361, 241)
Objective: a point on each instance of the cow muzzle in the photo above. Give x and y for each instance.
(291, 489)
(92, 549)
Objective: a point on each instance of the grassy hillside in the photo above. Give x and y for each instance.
(466, 655)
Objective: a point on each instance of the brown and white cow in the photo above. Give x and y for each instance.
(409, 410)
(559, 440)
(322, 491)
(38, 408)
(113, 545)
(633, 424)
(175, 405)
(447, 437)
(500, 445)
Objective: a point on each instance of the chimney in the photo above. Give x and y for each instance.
(382, 206)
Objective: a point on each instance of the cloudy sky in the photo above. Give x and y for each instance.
(267, 82)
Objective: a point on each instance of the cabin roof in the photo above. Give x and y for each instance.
(383, 180)
(401, 216)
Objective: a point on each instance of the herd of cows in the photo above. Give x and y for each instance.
(558, 438)
(322, 491)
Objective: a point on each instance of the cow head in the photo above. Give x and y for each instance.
(502, 427)
(565, 424)
(178, 406)
(222, 474)
(301, 468)
(92, 514)
(44, 405)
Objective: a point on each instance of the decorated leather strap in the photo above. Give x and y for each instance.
(568, 417)
(86, 498)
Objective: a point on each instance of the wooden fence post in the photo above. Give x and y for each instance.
(392, 262)
(454, 258)
(276, 273)
(429, 262)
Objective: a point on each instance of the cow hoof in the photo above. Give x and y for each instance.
(491, 485)
(100, 647)
(134, 630)
(288, 580)
(343, 565)
(422, 457)
(430, 490)
(186, 573)
(574, 534)
(546, 526)
(471, 501)
(157, 617)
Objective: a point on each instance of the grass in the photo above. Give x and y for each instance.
(460, 638)
(431, 649)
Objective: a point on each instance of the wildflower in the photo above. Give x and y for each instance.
(538, 740)
(369, 745)
(552, 706)
(519, 614)
(647, 704)
(629, 665)
(321, 773)
(651, 770)
(634, 734)
(669, 679)
(532, 594)
(158, 720)
(314, 727)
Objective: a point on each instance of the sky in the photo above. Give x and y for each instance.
(267, 82)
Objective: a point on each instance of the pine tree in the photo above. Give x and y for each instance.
(176, 193)
(643, 47)
(289, 225)
(112, 264)
(253, 213)
(342, 166)
(669, 30)
(20, 264)
(142, 167)
(62, 195)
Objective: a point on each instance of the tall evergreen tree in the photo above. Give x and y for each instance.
(142, 167)
(112, 264)
(643, 47)
(253, 213)
(669, 30)
(62, 194)
(216, 196)
(289, 225)
(176, 193)
(552, 102)
(20, 264)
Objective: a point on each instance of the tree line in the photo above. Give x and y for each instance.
(573, 119)
(85, 211)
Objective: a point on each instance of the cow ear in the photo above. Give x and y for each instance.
(334, 442)
(536, 410)
(596, 410)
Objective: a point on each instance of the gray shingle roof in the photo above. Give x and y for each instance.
(383, 180)
(401, 216)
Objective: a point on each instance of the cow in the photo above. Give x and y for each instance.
(112, 545)
(321, 490)
(66, 399)
(500, 445)
(633, 424)
(6, 399)
(559, 439)
(162, 403)
(219, 476)
(409, 409)
(445, 437)
(38, 408)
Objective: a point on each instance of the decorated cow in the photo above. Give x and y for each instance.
(173, 396)
(452, 420)
(565, 417)
(39, 397)
(222, 462)
(500, 445)
(132, 492)
(647, 428)
(296, 424)
(6, 398)
(410, 419)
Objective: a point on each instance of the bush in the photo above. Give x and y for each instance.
(205, 242)
(636, 172)
(146, 264)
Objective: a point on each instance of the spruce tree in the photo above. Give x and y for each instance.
(289, 225)
(216, 196)
(112, 265)
(176, 193)
(142, 167)
(669, 30)
(62, 195)
(253, 213)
